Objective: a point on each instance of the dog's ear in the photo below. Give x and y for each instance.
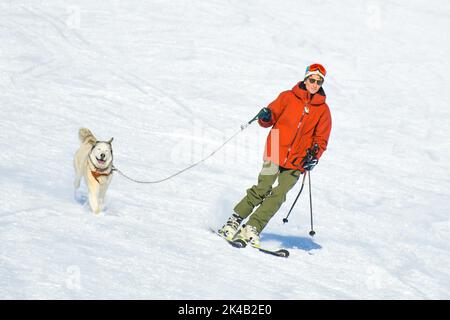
(110, 140)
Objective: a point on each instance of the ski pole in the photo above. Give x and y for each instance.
(243, 126)
(310, 153)
(312, 232)
(295, 201)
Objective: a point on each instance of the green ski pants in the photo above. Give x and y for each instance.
(267, 198)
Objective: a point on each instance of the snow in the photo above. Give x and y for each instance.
(172, 80)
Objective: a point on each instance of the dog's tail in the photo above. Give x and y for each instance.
(86, 136)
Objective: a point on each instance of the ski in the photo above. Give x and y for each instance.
(242, 244)
(279, 252)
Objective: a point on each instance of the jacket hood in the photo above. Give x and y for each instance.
(316, 99)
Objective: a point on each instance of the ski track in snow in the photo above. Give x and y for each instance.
(172, 81)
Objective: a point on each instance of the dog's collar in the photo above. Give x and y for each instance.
(97, 174)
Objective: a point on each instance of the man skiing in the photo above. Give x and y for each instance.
(300, 121)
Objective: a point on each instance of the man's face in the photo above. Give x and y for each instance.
(313, 87)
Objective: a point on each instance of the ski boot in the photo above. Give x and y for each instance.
(248, 234)
(231, 226)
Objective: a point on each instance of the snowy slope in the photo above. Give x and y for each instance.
(170, 81)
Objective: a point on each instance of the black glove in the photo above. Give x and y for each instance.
(309, 164)
(310, 160)
(265, 114)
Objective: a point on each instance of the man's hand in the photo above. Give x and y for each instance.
(310, 160)
(309, 164)
(265, 114)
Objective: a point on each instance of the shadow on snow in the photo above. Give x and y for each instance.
(292, 242)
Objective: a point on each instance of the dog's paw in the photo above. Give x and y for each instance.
(80, 198)
(99, 213)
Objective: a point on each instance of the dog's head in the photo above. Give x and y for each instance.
(101, 154)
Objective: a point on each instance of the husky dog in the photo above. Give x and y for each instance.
(93, 161)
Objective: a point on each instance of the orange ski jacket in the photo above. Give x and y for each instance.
(299, 120)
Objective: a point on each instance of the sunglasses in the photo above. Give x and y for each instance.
(312, 81)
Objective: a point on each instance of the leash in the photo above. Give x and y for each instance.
(243, 127)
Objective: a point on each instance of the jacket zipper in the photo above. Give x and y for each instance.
(305, 110)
